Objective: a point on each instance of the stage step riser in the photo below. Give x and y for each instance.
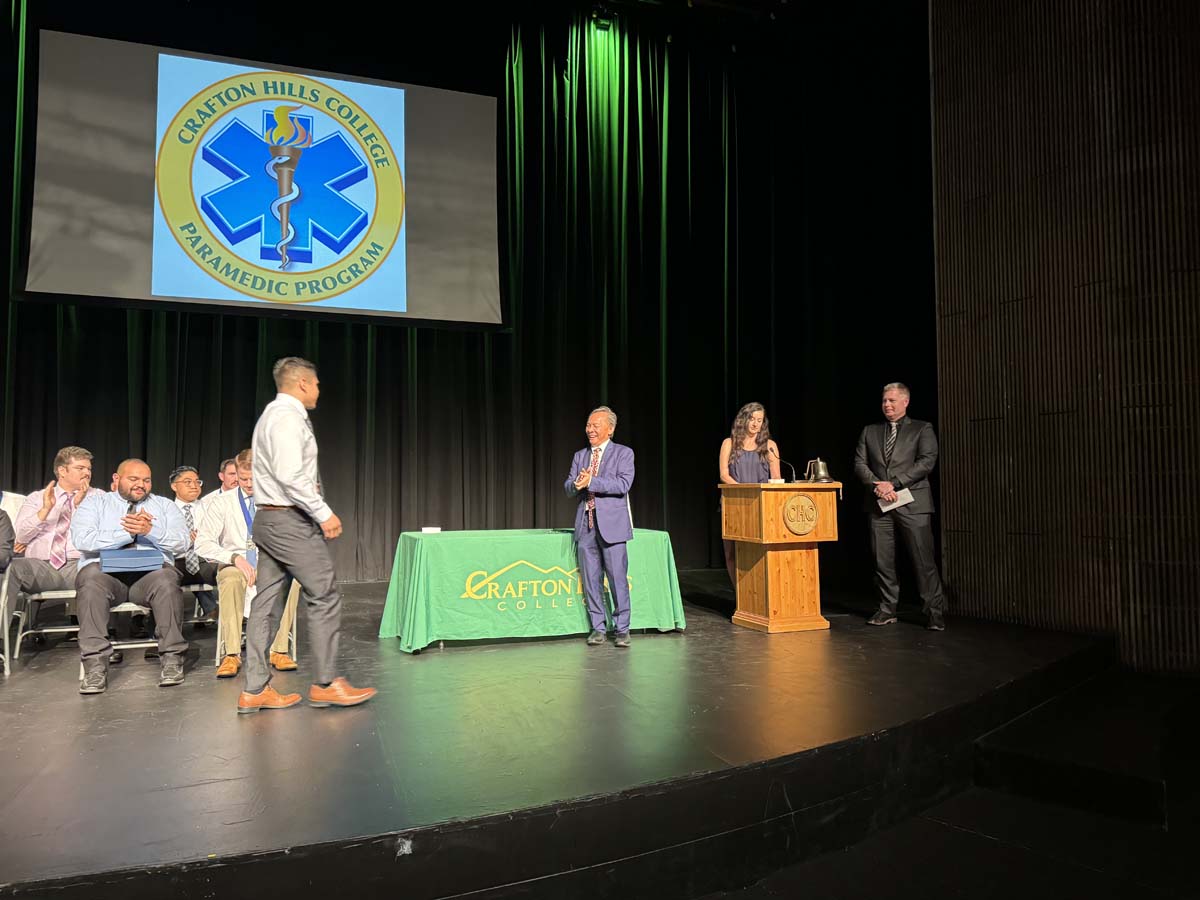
(1080, 787)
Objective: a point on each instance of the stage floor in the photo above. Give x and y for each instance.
(147, 776)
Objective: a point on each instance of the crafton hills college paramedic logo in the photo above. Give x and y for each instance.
(283, 150)
(524, 585)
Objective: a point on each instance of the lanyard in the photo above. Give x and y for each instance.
(246, 513)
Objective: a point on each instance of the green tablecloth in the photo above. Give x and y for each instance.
(467, 585)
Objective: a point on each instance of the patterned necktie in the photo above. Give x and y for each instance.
(191, 561)
(594, 468)
(889, 444)
(58, 544)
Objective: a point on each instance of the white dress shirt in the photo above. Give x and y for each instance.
(223, 532)
(599, 459)
(211, 496)
(285, 459)
(197, 507)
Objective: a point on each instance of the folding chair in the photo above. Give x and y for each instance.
(6, 619)
(27, 617)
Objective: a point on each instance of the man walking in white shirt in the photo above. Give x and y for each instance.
(291, 527)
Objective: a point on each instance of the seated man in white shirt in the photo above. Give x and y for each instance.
(224, 538)
(193, 567)
(226, 482)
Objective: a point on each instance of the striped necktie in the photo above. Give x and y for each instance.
(594, 468)
(191, 561)
(889, 444)
(58, 544)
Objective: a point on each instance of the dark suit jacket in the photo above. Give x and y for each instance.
(913, 458)
(6, 541)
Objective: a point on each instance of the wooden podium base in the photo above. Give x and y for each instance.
(778, 626)
(778, 588)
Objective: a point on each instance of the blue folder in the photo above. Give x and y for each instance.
(131, 559)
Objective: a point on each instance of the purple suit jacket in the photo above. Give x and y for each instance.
(611, 488)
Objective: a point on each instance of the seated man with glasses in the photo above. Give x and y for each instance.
(225, 536)
(43, 526)
(193, 568)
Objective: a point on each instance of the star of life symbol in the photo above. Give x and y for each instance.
(288, 205)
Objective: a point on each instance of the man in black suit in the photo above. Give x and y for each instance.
(896, 455)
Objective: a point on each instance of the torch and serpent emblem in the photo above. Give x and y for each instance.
(287, 141)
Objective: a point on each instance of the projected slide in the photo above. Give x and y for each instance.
(278, 187)
(185, 178)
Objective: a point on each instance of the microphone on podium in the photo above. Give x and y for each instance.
(786, 463)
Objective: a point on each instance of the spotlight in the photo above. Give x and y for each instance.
(602, 16)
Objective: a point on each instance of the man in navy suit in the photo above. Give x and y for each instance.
(601, 475)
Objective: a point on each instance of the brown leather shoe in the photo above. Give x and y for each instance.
(229, 667)
(269, 698)
(340, 693)
(282, 662)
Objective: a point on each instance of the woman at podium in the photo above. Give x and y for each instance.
(748, 456)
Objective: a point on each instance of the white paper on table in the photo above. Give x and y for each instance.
(903, 498)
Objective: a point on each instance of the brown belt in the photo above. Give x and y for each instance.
(265, 506)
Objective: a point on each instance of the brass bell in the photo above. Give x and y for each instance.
(817, 471)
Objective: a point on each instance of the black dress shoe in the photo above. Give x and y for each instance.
(937, 622)
(117, 656)
(882, 618)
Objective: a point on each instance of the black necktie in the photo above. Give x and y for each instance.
(889, 444)
(129, 512)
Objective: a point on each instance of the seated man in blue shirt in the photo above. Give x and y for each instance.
(129, 517)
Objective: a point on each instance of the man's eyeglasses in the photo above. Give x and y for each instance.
(190, 482)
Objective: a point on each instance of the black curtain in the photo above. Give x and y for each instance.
(697, 210)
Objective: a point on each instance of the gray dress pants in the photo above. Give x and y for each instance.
(291, 544)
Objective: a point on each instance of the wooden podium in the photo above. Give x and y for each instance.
(777, 528)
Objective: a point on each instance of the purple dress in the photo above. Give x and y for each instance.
(749, 468)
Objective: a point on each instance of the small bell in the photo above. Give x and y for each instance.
(817, 471)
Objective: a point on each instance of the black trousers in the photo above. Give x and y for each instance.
(916, 530)
(206, 575)
(96, 592)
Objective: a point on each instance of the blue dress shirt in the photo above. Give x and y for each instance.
(96, 526)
